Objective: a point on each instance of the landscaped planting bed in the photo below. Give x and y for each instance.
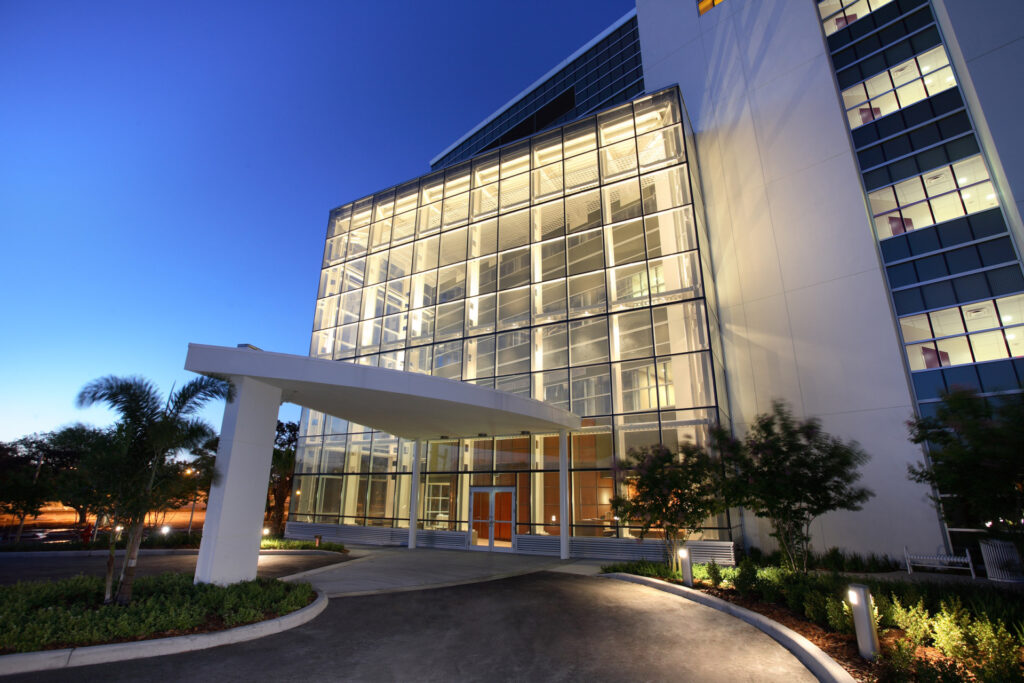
(929, 632)
(46, 615)
(170, 541)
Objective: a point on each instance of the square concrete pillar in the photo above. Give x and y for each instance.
(230, 548)
(414, 493)
(563, 494)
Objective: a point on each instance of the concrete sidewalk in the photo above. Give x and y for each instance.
(382, 570)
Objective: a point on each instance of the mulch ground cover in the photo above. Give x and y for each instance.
(841, 647)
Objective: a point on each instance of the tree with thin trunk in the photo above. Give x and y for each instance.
(153, 431)
(62, 453)
(976, 461)
(791, 472)
(282, 470)
(674, 493)
(23, 493)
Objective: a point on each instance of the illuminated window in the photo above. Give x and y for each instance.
(838, 14)
(939, 195)
(901, 86)
(973, 333)
(704, 5)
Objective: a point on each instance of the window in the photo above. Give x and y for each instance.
(972, 333)
(939, 195)
(704, 5)
(838, 14)
(901, 86)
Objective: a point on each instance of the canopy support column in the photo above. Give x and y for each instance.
(563, 493)
(414, 493)
(230, 548)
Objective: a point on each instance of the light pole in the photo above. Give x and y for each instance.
(189, 472)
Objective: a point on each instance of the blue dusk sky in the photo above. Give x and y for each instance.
(166, 169)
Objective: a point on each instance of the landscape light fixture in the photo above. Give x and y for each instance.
(686, 567)
(859, 597)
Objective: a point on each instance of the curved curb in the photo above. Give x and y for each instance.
(26, 662)
(817, 662)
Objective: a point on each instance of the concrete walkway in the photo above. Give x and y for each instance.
(386, 570)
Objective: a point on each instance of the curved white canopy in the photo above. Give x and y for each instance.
(406, 404)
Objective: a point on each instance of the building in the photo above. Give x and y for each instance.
(712, 205)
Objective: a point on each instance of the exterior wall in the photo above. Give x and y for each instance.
(804, 308)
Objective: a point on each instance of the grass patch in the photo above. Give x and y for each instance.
(44, 615)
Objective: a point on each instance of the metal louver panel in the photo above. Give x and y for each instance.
(537, 545)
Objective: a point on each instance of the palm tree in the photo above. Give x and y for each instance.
(152, 430)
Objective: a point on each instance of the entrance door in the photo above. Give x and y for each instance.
(492, 512)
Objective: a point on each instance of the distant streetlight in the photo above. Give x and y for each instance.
(189, 472)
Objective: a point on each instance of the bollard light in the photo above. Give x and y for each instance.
(266, 531)
(859, 597)
(165, 530)
(686, 567)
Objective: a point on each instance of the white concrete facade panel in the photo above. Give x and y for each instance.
(805, 317)
(987, 50)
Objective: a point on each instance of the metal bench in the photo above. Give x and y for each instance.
(939, 561)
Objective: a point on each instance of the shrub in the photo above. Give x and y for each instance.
(769, 584)
(883, 611)
(745, 580)
(815, 607)
(291, 544)
(915, 621)
(994, 651)
(942, 671)
(756, 556)
(897, 662)
(70, 612)
(833, 560)
(949, 629)
(714, 574)
(656, 570)
(838, 615)
(795, 592)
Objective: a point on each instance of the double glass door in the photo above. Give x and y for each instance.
(492, 515)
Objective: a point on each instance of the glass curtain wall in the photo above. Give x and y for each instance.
(950, 263)
(570, 267)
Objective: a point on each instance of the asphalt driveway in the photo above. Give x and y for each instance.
(543, 626)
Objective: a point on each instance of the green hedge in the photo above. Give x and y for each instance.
(40, 615)
(288, 544)
(981, 627)
(172, 540)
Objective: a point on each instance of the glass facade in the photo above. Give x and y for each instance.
(570, 267)
(604, 74)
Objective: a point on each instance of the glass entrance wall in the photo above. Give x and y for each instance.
(570, 267)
